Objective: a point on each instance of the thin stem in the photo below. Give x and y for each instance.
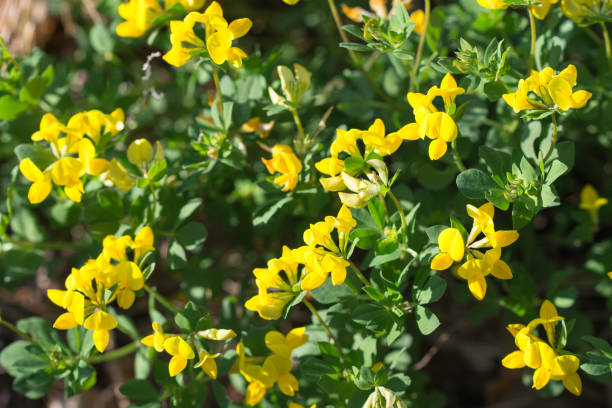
(456, 156)
(325, 326)
(533, 39)
(218, 86)
(401, 212)
(44, 245)
(14, 329)
(154, 206)
(414, 82)
(359, 274)
(298, 123)
(160, 299)
(115, 354)
(336, 16)
(606, 37)
(554, 140)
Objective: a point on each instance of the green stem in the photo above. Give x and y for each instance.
(533, 39)
(115, 354)
(162, 300)
(218, 86)
(401, 212)
(154, 205)
(359, 274)
(298, 123)
(44, 245)
(14, 329)
(554, 140)
(414, 82)
(336, 16)
(456, 156)
(325, 326)
(606, 37)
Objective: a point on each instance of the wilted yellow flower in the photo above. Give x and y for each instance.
(284, 161)
(255, 124)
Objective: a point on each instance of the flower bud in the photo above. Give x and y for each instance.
(140, 151)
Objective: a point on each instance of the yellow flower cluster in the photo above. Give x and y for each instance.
(276, 367)
(477, 265)
(539, 9)
(343, 148)
(74, 147)
(139, 14)
(438, 126)
(219, 36)
(284, 161)
(181, 351)
(553, 91)
(86, 297)
(548, 362)
(380, 9)
(320, 257)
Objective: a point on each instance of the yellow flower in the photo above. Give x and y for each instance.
(375, 140)
(418, 18)
(188, 5)
(157, 339)
(274, 292)
(139, 16)
(180, 351)
(217, 334)
(140, 152)
(291, 2)
(41, 186)
(475, 271)
(590, 201)
(284, 161)
(493, 4)
(540, 11)
(131, 280)
(554, 91)
(451, 247)
(207, 363)
(119, 176)
(100, 322)
(219, 37)
(284, 345)
(438, 126)
(143, 243)
(577, 10)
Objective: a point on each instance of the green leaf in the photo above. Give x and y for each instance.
(34, 89)
(102, 41)
(600, 344)
(139, 390)
(42, 332)
(10, 107)
(157, 171)
(596, 364)
(426, 320)
(377, 211)
(474, 183)
(497, 197)
(354, 165)
(523, 211)
(26, 225)
(35, 385)
(355, 47)
(329, 293)
(433, 179)
(431, 291)
(555, 170)
(265, 213)
(191, 235)
(494, 90)
(386, 258)
(23, 358)
(188, 208)
(39, 155)
(176, 256)
(315, 368)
